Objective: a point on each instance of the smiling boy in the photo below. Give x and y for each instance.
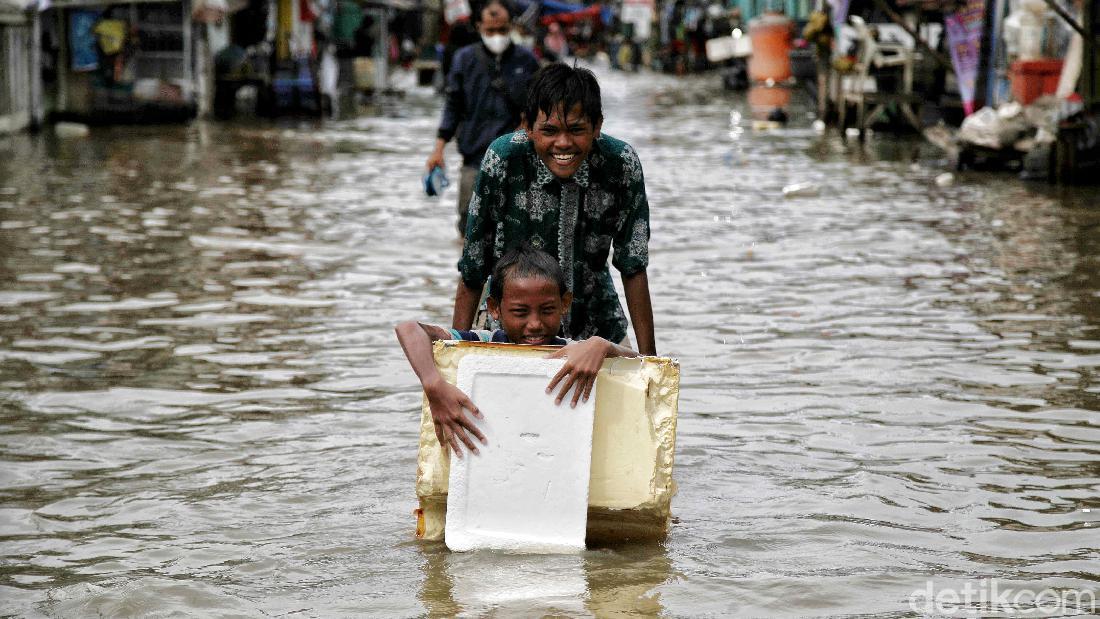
(566, 188)
(529, 298)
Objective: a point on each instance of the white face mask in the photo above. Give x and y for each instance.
(496, 43)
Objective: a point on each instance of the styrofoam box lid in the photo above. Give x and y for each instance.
(528, 489)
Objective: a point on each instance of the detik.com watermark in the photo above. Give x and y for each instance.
(989, 596)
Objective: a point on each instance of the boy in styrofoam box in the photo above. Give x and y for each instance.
(528, 296)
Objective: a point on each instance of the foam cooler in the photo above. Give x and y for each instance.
(633, 445)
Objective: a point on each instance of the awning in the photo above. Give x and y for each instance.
(587, 13)
(72, 4)
(17, 6)
(400, 5)
(550, 7)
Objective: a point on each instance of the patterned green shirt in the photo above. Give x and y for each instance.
(517, 198)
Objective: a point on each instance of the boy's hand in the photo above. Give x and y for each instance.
(446, 403)
(584, 360)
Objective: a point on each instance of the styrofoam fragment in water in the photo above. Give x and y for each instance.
(528, 488)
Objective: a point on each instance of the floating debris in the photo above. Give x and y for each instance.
(70, 130)
(802, 190)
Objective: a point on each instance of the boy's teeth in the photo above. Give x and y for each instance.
(563, 157)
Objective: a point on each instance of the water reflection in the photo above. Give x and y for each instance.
(601, 582)
(763, 100)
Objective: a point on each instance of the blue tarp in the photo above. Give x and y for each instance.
(557, 7)
(550, 7)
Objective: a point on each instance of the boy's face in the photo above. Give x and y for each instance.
(563, 141)
(530, 309)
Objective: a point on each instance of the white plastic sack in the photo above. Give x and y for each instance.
(209, 11)
(982, 128)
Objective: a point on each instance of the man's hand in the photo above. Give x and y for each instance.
(452, 426)
(436, 158)
(584, 360)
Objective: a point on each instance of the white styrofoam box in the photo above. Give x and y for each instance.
(528, 488)
(630, 488)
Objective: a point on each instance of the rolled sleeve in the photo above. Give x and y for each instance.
(632, 236)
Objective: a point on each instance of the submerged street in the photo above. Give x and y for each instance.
(889, 386)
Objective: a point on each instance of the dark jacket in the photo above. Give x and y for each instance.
(475, 110)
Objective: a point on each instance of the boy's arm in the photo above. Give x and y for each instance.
(445, 401)
(466, 300)
(584, 361)
(476, 263)
(638, 303)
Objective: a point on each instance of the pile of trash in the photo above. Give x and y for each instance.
(1015, 126)
(1021, 137)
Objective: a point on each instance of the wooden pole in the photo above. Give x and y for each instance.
(1090, 74)
(985, 53)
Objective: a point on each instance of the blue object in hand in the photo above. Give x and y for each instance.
(435, 181)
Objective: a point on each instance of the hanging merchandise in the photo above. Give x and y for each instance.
(82, 40)
(307, 12)
(964, 39)
(840, 13)
(111, 35)
(349, 16)
(639, 13)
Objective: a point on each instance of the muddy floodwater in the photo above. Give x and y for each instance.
(891, 387)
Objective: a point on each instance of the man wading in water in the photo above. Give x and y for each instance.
(486, 88)
(565, 188)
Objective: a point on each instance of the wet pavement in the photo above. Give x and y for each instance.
(888, 387)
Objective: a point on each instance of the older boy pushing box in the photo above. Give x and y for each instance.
(566, 189)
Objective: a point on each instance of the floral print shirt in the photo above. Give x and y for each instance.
(578, 221)
(498, 336)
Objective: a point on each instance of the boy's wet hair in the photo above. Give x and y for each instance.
(477, 8)
(560, 84)
(525, 261)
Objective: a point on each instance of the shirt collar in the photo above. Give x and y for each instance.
(500, 335)
(543, 175)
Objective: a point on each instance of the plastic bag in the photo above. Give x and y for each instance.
(982, 128)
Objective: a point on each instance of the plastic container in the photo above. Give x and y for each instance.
(771, 48)
(1032, 79)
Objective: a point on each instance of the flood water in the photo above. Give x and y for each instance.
(888, 387)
